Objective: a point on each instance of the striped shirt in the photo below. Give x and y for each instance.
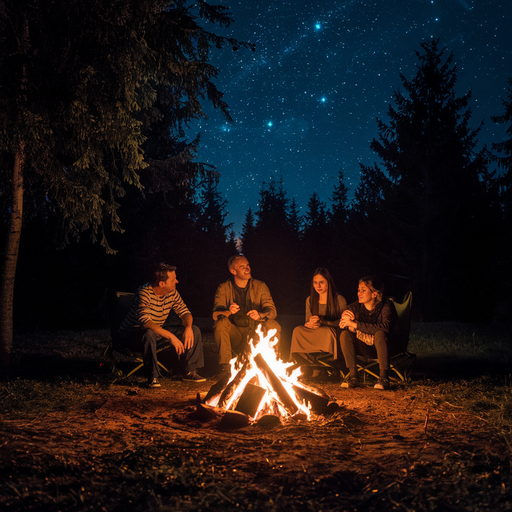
(147, 305)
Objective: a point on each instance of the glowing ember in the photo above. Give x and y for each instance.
(265, 380)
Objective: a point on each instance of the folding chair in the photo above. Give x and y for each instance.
(400, 359)
(118, 306)
(316, 361)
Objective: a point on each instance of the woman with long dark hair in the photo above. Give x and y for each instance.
(367, 326)
(324, 307)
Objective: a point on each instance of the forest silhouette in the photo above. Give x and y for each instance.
(431, 217)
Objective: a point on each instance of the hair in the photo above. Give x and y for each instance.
(233, 260)
(331, 310)
(375, 285)
(160, 273)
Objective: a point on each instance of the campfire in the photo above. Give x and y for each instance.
(261, 384)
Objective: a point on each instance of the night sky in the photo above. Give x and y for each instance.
(304, 104)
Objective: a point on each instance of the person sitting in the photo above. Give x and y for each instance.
(240, 305)
(324, 307)
(367, 326)
(150, 320)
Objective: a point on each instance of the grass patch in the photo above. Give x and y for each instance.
(453, 339)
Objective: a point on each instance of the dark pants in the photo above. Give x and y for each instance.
(232, 339)
(146, 340)
(351, 346)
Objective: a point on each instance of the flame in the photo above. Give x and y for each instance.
(271, 402)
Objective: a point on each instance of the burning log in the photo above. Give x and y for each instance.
(276, 384)
(232, 386)
(234, 419)
(318, 403)
(250, 400)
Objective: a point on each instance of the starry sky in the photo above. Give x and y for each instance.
(304, 104)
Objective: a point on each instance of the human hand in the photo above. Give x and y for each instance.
(348, 323)
(176, 343)
(313, 322)
(188, 338)
(347, 314)
(234, 308)
(254, 315)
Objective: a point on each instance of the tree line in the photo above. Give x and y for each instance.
(92, 142)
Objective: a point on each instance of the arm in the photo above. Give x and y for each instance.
(348, 317)
(341, 306)
(188, 334)
(312, 321)
(222, 303)
(174, 340)
(266, 308)
(384, 322)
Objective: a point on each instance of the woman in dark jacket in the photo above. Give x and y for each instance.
(367, 326)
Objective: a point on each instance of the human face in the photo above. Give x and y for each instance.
(169, 285)
(241, 269)
(320, 284)
(366, 296)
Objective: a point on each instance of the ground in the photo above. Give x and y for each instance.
(122, 446)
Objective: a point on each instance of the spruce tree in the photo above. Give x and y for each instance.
(429, 201)
(504, 160)
(316, 241)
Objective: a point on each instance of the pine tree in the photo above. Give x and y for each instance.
(339, 205)
(248, 233)
(429, 198)
(316, 241)
(504, 160)
(81, 85)
(272, 252)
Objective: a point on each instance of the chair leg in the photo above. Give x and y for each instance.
(135, 369)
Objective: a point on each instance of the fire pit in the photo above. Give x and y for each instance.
(260, 384)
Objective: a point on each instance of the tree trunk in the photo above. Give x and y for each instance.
(11, 258)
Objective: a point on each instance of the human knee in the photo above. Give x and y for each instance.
(222, 324)
(380, 339)
(150, 337)
(346, 338)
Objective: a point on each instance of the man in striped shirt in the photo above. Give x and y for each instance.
(150, 320)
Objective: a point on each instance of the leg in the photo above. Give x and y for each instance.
(381, 345)
(347, 344)
(149, 341)
(227, 338)
(193, 358)
(145, 341)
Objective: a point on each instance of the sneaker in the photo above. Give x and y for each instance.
(353, 382)
(193, 377)
(382, 383)
(154, 383)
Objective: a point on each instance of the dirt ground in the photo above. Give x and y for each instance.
(127, 447)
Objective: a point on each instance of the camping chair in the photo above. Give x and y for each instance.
(400, 358)
(310, 361)
(118, 306)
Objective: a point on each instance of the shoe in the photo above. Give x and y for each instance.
(154, 383)
(353, 382)
(382, 383)
(193, 377)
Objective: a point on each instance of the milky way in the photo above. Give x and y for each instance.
(305, 103)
